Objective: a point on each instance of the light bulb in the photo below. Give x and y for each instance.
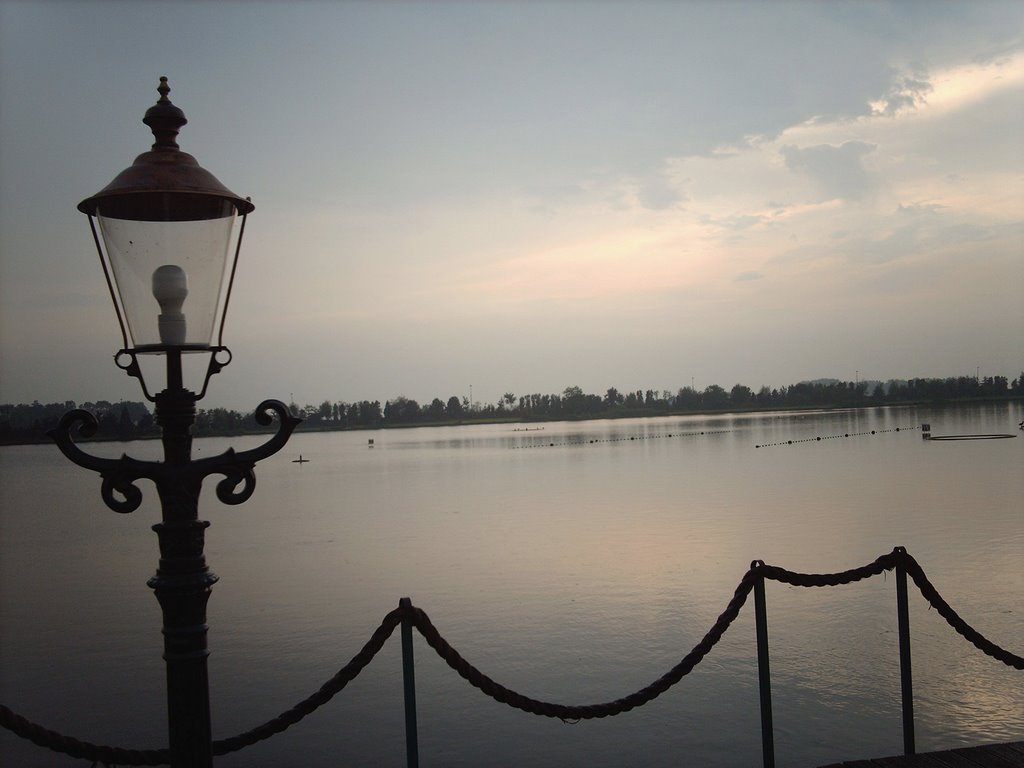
(170, 287)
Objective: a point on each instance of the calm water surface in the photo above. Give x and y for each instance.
(576, 564)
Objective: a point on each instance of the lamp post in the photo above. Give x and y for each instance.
(166, 225)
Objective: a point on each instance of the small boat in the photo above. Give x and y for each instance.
(299, 460)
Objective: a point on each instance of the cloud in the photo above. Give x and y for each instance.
(837, 171)
(907, 92)
(743, 277)
(658, 192)
(739, 223)
(919, 209)
(823, 202)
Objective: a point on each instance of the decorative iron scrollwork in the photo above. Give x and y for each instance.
(120, 475)
(227, 489)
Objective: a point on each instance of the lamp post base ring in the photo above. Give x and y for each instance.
(182, 584)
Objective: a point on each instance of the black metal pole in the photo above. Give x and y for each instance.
(412, 749)
(906, 681)
(764, 676)
(183, 581)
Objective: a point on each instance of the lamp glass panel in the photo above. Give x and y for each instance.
(189, 259)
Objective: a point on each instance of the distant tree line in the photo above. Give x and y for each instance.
(131, 420)
(117, 421)
(127, 420)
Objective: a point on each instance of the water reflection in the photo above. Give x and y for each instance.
(578, 571)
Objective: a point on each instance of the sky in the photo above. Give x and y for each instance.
(525, 196)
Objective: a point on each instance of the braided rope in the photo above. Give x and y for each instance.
(327, 691)
(68, 745)
(952, 618)
(898, 557)
(504, 695)
(114, 755)
(884, 563)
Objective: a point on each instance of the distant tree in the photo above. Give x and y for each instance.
(375, 414)
(435, 410)
(553, 405)
(454, 409)
(573, 401)
(999, 385)
(714, 397)
(401, 410)
(125, 425)
(687, 399)
(365, 414)
(108, 423)
(324, 412)
(613, 398)
(217, 421)
(145, 426)
(740, 395)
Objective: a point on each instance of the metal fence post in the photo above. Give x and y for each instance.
(412, 749)
(906, 681)
(763, 672)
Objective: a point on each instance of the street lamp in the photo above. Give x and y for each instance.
(166, 225)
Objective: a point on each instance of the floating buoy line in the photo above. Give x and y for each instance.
(834, 437)
(630, 438)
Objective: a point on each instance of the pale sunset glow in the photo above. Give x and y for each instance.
(499, 194)
(972, 84)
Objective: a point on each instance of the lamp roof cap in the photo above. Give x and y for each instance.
(164, 170)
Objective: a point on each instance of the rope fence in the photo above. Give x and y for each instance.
(408, 616)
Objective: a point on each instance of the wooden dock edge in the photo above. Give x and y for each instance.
(1009, 755)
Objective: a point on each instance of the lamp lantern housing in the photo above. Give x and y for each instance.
(166, 225)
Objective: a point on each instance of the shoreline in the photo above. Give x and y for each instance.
(515, 419)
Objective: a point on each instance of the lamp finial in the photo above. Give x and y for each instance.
(163, 89)
(164, 119)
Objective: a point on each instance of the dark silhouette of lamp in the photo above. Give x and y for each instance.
(166, 225)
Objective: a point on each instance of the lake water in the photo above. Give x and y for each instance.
(574, 563)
